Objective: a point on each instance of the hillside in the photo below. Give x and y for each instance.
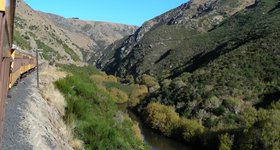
(205, 73)
(66, 40)
(217, 67)
(169, 40)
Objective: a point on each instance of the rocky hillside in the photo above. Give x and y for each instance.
(66, 40)
(217, 63)
(167, 41)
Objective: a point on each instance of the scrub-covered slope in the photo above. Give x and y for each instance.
(218, 78)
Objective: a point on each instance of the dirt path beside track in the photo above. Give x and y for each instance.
(31, 122)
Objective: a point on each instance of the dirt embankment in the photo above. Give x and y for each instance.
(33, 118)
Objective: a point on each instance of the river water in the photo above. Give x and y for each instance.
(155, 140)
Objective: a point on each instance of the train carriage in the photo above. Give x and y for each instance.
(7, 11)
(14, 62)
(21, 63)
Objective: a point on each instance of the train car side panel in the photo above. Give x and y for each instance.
(7, 9)
(15, 67)
(4, 66)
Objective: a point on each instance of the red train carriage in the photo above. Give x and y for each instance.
(7, 11)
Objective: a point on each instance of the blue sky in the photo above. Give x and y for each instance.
(133, 12)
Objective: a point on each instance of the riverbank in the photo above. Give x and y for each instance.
(154, 139)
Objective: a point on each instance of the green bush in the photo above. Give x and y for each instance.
(232, 104)
(212, 103)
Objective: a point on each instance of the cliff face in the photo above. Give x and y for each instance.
(66, 40)
(167, 32)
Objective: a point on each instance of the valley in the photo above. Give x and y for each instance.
(204, 75)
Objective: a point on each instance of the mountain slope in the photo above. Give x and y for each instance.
(219, 83)
(172, 34)
(64, 39)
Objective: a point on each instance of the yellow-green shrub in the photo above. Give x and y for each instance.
(118, 95)
(190, 129)
(225, 142)
(103, 77)
(149, 81)
(138, 92)
(163, 118)
(111, 78)
(98, 79)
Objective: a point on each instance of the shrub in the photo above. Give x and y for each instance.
(264, 134)
(138, 92)
(276, 105)
(225, 142)
(118, 95)
(249, 116)
(163, 118)
(212, 103)
(190, 129)
(103, 77)
(149, 81)
(98, 79)
(232, 104)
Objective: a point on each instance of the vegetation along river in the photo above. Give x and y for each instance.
(155, 140)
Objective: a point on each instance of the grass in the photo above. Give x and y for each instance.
(98, 121)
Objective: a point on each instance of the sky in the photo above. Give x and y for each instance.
(132, 12)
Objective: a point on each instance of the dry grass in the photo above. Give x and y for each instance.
(76, 144)
(47, 88)
(54, 98)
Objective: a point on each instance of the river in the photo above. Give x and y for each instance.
(155, 140)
